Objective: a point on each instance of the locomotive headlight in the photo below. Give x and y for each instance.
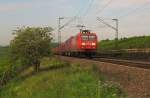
(83, 44)
(93, 44)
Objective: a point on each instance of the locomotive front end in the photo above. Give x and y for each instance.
(88, 41)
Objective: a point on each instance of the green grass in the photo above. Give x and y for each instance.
(64, 82)
(126, 43)
(4, 59)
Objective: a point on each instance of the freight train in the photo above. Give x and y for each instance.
(82, 44)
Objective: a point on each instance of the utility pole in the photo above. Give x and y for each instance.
(61, 27)
(64, 25)
(114, 28)
(117, 22)
(116, 39)
(59, 32)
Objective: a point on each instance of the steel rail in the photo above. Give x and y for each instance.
(131, 63)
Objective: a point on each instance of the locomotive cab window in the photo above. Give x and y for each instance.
(84, 37)
(92, 37)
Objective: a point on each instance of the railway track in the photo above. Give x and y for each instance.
(131, 63)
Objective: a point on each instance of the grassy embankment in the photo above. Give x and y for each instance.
(4, 60)
(61, 80)
(126, 43)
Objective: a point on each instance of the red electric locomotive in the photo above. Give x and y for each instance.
(84, 43)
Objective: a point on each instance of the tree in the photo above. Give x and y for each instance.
(30, 45)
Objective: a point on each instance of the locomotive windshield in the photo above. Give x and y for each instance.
(85, 37)
(91, 37)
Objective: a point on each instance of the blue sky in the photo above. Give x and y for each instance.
(17, 13)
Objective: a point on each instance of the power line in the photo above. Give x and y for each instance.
(102, 21)
(112, 27)
(135, 10)
(76, 16)
(70, 21)
(105, 6)
(131, 13)
(67, 23)
(88, 8)
(86, 12)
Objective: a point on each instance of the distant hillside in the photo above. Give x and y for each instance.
(126, 43)
(3, 50)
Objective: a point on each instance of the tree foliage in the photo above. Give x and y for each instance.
(30, 45)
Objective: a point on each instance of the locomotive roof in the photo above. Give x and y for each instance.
(86, 32)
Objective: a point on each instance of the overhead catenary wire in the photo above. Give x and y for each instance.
(102, 21)
(136, 10)
(84, 15)
(70, 21)
(88, 8)
(77, 15)
(104, 7)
